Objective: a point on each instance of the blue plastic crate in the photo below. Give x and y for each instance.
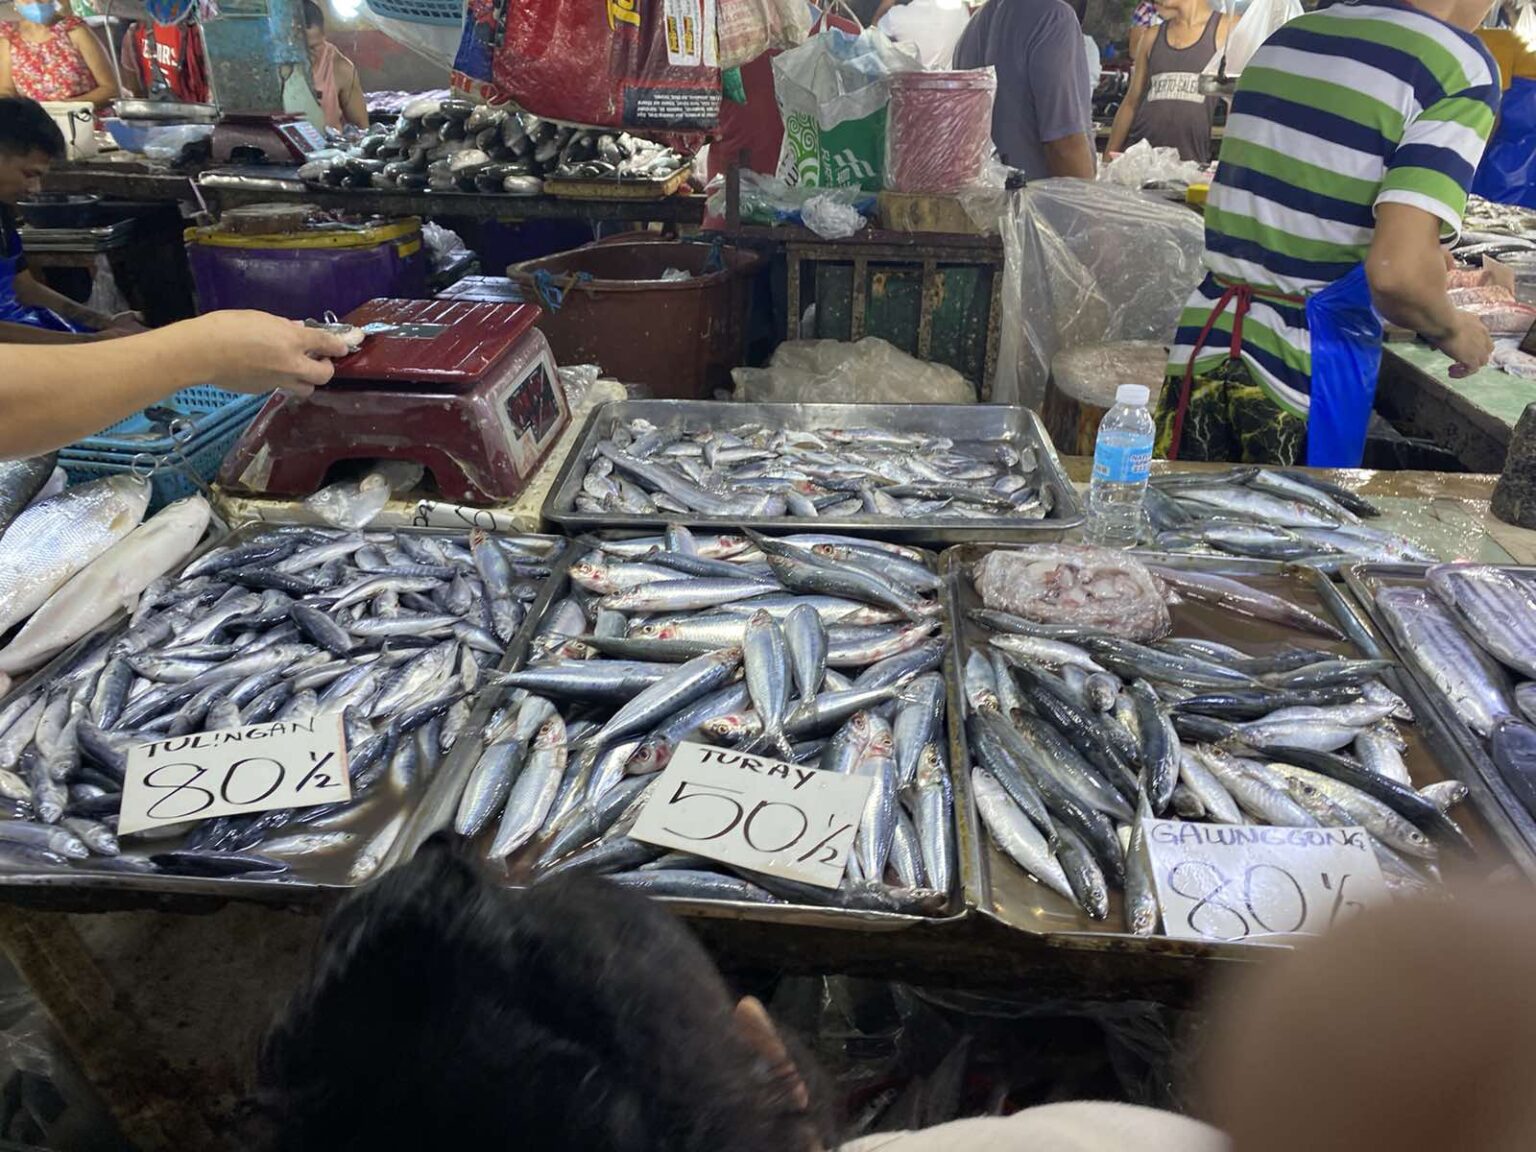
(204, 455)
(209, 409)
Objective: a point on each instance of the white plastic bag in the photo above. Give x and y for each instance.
(1141, 165)
(1257, 23)
(1086, 263)
(829, 218)
(832, 93)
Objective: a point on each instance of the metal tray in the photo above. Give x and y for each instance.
(1516, 826)
(83, 891)
(996, 886)
(995, 423)
(437, 809)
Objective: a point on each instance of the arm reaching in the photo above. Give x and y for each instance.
(1406, 270)
(1126, 116)
(52, 396)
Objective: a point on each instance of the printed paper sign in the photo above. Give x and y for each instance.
(1242, 882)
(783, 819)
(280, 764)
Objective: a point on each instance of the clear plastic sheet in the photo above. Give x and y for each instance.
(939, 130)
(1086, 263)
(869, 371)
(577, 380)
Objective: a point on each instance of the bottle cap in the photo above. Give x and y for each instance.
(1136, 395)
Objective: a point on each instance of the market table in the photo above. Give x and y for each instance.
(1472, 416)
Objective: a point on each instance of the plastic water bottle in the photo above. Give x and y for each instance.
(1122, 459)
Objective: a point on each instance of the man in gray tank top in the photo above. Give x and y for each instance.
(1164, 106)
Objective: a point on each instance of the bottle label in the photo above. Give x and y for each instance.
(1122, 463)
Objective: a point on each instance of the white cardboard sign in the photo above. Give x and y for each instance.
(1225, 882)
(766, 815)
(280, 764)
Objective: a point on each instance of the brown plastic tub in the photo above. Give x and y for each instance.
(678, 338)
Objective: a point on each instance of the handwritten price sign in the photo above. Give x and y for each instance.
(1239, 882)
(783, 819)
(282, 764)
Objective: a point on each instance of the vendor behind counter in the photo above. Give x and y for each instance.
(30, 313)
(1326, 201)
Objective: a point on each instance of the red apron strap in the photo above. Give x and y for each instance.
(1243, 294)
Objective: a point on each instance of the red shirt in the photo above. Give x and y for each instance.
(177, 49)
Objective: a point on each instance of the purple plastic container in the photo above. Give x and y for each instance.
(306, 274)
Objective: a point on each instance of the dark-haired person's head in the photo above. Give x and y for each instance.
(445, 1012)
(29, 144)
(314, 24)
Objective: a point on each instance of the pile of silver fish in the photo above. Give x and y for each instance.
(1472, 632)
(815, 649)
(458, 145)
(1078, 737)
(1271, 514)
(393, 630)
(850, 473)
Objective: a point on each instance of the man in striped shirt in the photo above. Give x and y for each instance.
(1354, 135)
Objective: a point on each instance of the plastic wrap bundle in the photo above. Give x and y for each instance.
(645, 64)
(1084, 264)
(869, 371)
(939, 130)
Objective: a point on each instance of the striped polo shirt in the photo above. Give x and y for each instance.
(1338, 111)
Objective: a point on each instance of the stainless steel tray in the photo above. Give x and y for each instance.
(83, 891)
(994, 423)
(1504, 811)
(998, 889)
(437, 809)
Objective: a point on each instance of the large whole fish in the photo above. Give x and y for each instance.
(849, 473)
(20, 481)
(110, 582)
(723, 667)
(1498, 610)
(49, 542)
(280, 625)
(1478, 689)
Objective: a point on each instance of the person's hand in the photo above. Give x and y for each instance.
(254, 352)
(1468, 344)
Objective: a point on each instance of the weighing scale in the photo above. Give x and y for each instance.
(468, 390)
(265, 138)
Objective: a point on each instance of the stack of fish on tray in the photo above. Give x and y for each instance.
(393, 630)
(814, 649)
(1086, 719)
(1270, 514)
(460, 146)
(851, 473)
(1469, 630)
(68, 562)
